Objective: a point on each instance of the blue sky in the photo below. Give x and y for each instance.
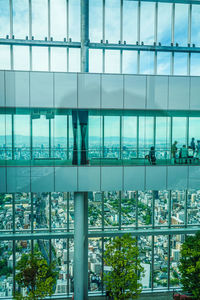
(112, 34)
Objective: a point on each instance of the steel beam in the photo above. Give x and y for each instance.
(27, 235)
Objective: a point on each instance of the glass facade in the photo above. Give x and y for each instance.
(127, 37)
(110, 22)
(44, 215)
(98, 137)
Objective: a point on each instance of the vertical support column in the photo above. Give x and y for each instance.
(13, 138)
(138, 35)
(67, 31)
(84, 35)
(11, 33)
(81, 198)
(80, 246)
(50, 139)
(137, 145)
(49, 35)
(189, 38)
(172, 38)
(168, 260)
(32, 245)
(136, 215)
(103, 37)
(30, 34)
(152, 261)
(155, 36)
(121, 34)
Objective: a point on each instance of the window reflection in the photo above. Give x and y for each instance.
(48, 137)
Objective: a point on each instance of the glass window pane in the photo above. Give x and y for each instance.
(181, 24)
(6, 262)
(21, 57)
(5, 57)
(95, 210)
(41, 211)
(95, 61)
(180, 63)
(59, 210)
(160, 274)
(74, 20)
(193, 207)
(178, 199)
(39, 19)
(4, 18)
(95, 20)
(195, 64)
(129, 62)
(111, 210)
(22, 136)
(112, 21)
(58, 19)
(58, 59)
(161, 208)
(130, 21)
(145, 252)
(22, 211)
(6, 220)
(128, 209)
(146, 62)
(95, 264)
(2, 136)
(163, 63)
(95, 136)
(8, 137)
(179, 131)
(62, 252)
(20, 18)
(111, 136)
(164, 23)
(40, 58)
(40, 137)
(112, 61)
(129, 142)
(194, 127)
(147, 21)
(176, 243)
(195, 34)
(163, 147)
(60, 137)
(74, 60)
(145, 200)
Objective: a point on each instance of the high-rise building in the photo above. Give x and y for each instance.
(99, 135)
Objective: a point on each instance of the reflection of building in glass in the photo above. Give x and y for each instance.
(87, 154)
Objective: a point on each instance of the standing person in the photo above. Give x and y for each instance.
(174, 151)
(152, 156)
(192, 145)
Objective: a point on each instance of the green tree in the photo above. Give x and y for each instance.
(36, 276)
(122, 255)
(190, 265)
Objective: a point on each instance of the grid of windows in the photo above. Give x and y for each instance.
(48, 137)
(50, 230)
(121, 34)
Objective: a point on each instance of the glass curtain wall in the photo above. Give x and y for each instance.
(107, 211)
(115, 22)
(94, 137)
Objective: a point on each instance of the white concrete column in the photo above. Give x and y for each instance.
(80, 246)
